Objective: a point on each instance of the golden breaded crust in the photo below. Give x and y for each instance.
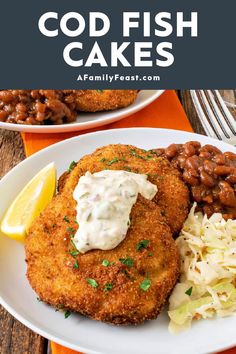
(104, 100)
(51, 274)
(50, 266)
(172, 195)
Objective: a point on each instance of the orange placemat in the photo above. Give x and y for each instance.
(165, 112)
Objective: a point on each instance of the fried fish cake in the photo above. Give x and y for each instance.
(172, 195)
(139, 276)
(134, 285)
(104, 100)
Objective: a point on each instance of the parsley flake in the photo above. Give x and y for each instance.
(108, 287)
(76, 265)
(73, 244)
(71, 166)
(70, 230)
(105, 263)
(134, 153)
(100, 91)
(67, 314)
(127, 261)
(92, 282)
(145, 285)
(189, 291)
(142, 244)
(66, 219)
(74, 253)
(103, 159)
(109, 163)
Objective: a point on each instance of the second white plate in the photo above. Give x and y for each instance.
(90, 120)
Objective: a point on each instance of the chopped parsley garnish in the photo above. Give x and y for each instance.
(127, 168)
(108, 287)
(145, 285)
(66, 219)
(71, 166)
(105, 263)
(109, 163)
(92, 282)
(100, 91)
(74, 253)
(142, 244)
(150, 254)
(67, 314)
(70, 230)
(76, 265)
(134, 153)
(189, 291)
(127, 261)
(103, 159)
(152, 152)
(73, 244)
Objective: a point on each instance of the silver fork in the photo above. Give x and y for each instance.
(214, 115)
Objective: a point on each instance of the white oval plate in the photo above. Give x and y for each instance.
(90, 120)
(78, 332)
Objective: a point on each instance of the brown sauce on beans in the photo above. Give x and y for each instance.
(38, 106)
(209, 174)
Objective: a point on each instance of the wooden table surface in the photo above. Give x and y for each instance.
(15, 338)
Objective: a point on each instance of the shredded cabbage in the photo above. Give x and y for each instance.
(207, 284)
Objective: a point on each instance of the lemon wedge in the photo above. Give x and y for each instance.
(29, 203)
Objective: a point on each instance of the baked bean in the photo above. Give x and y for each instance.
(205, 154)
(189, 149)
(211, 149)
(209, 167)
(219, 159)
(3, 116)
(230, 155)
(222, 170)
(189, 177)
(227, 194)
(209, 174)
(207, 180)
(232, 177)
(172, 150)
(37, 106)
(181, 161)
(197, 193)
(193, 163)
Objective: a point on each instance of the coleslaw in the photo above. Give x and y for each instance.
(207, 285)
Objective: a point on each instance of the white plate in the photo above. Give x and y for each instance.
(90, 120)
(78, 332)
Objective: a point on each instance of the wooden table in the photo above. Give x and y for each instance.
(15, 338)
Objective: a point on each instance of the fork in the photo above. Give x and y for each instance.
(214, 115)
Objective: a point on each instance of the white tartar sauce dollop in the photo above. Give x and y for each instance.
(104, 202)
